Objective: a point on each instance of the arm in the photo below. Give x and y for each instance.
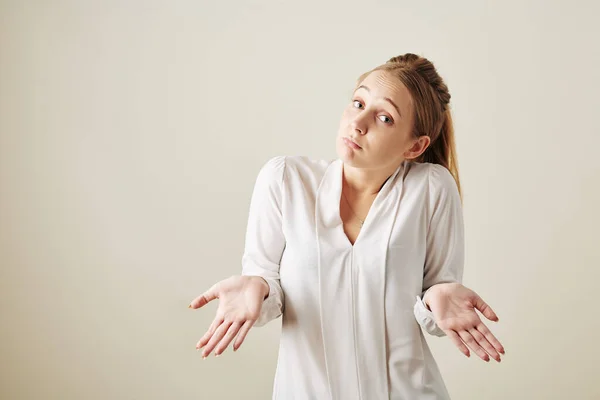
(265, 241)
(444, 259)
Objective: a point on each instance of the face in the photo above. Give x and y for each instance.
(379, 118)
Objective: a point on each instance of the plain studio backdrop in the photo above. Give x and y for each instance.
(132, 133)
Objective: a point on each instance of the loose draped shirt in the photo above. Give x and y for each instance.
(352, 315)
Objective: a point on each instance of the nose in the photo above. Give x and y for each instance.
(358, 125)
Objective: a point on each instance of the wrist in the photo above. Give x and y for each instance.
(426, 305)
(426, 299)
(265, 286)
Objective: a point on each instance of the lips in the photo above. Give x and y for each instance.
(352, 143)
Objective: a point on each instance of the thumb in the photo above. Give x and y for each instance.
(205, 298)
(485, 309)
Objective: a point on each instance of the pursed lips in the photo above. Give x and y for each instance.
(352, 141)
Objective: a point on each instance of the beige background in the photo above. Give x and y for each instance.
(131, 133)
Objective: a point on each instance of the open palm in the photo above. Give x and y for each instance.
(240, 302)
(454, 308)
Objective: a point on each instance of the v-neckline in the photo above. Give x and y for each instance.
(376, 200)
(342, 268)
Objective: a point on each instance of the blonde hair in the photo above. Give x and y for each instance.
(432, 116)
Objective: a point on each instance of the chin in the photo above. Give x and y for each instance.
(348, 155)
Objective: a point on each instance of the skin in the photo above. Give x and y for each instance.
(379, 118)
(382, 130)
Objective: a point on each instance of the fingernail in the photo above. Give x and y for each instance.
(217, 355)
(190, 306)
(204, 357)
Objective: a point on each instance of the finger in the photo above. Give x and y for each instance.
(472, 343)
(211, 330)
(242, 335)
(485, 309)
(458, 342)
(231, 332)
(490, 337)
(216, 338)
(205, 298)
(483, 342)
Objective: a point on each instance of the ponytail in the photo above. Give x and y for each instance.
(442, 150)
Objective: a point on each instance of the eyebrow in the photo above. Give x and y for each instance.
(385, 98)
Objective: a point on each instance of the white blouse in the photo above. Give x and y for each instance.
(351, 325)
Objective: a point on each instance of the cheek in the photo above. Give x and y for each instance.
(391, 143)
(344, 120)
(350, 113)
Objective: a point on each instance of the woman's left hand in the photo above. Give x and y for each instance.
(453, 306)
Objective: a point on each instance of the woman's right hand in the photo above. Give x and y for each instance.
(240, 302)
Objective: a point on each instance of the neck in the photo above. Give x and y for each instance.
(363, 182)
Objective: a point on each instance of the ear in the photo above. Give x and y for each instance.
(419, 146)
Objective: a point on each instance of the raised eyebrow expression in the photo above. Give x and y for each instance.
(385, 98)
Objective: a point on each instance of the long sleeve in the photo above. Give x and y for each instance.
(265, 241)
(444, 260)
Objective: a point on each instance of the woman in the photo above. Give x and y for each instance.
(358, 254)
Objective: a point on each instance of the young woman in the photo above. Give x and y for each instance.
(359, 253)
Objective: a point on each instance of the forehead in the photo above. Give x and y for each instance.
(383, 84)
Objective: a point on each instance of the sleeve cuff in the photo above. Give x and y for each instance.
(272, 305)
(426, 319)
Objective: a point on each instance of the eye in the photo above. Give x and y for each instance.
(386, 119)
(383, 118)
